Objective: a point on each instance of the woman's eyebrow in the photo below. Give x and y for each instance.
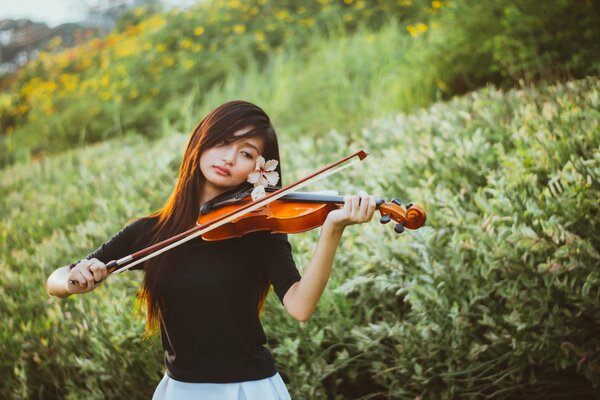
(253, 146)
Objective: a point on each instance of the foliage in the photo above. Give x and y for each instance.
(504, 41)
(338, 61)
(149, 66)
(496, 297)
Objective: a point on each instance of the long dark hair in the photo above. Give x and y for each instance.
(181, 210)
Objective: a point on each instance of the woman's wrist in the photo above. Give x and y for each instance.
(334, 227)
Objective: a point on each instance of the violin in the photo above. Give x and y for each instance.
(282, 210)
(295, 213)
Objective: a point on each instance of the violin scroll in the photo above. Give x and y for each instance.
(410, 216)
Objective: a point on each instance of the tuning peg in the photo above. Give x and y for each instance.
(385, 218)
(409, 205)
(397, 201)
(399, 228)
(379, 202)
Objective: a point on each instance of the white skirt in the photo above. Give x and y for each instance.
(272, 388)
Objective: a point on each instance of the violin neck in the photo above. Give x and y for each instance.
(319, 198)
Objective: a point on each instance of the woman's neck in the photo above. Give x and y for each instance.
(209, 192)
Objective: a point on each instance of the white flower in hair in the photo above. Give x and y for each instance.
(264, 174)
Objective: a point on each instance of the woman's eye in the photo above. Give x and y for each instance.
(246, 154)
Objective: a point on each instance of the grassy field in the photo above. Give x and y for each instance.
(498, 296)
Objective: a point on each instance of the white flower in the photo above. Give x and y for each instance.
(258, 193)
(264, 174)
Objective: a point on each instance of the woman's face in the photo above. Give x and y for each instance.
(229, 163)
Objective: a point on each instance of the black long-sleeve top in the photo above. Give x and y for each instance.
(211, 331)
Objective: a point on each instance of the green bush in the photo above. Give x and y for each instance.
(505, 42)
(496, 297)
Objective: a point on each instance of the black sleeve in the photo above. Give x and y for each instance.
(276, 258)
(131, 238)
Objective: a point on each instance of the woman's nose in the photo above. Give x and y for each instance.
(229, 157)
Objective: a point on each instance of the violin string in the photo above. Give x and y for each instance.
(256, 206)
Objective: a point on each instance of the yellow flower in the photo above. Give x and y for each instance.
(161, 48)
(283, 14)
(186, 43)
(347, 17)
(436, 5)
(416, 30)
(239, 28)
(155, 22)
(348, 1)
(259, 36)
(126, 48)
(412, 30)
(105, 95)
(307, 21)
(370, 38)
(199, 30)
(169, 61)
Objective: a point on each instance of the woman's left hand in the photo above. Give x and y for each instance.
(356, 210)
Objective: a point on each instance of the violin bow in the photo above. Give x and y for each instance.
(131, 260)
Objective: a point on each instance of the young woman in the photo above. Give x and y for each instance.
(206, 296)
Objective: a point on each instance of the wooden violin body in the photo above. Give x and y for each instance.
(298, 212)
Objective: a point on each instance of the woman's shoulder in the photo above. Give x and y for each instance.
(141, 229)
(141, 223)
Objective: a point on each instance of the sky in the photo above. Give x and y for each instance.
(55, 12)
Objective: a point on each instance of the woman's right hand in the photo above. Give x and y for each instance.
(85, 276)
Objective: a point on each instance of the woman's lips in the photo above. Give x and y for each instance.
(221, 170)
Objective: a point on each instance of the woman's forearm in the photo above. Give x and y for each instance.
(301, 299)
(57, 282)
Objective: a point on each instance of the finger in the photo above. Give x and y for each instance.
(347, 206)
(364, 206)
(89, 278)
(101, 267)
(79, 279)
(372, 207)
(98, 271)
(354, 208)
